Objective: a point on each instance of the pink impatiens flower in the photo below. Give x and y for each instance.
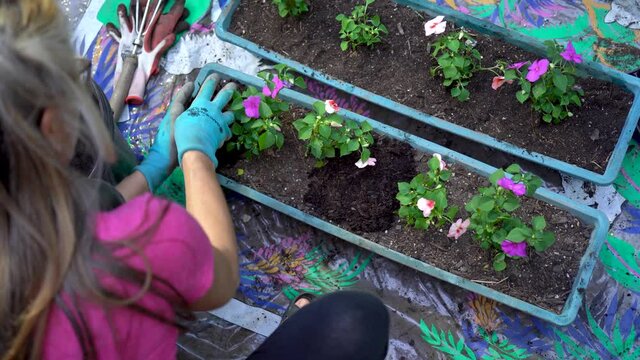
(426, 206)
(537, 69)
(443, 165)
(277, 86)
(505, 183)
(370, 162)
(514, 249)
(570, 54)
(458, 228)
(518, 189)
(517, 65)
(330, 106)
(252, 106)
(435, 26)
(499, 81)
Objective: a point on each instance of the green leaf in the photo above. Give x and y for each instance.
(514, 169)
(434, 163)
(539, 89)
(560, 81)
(279, 140)
(458, 62)
(450, 71)
(455, 92)
(547, 118)
(353, 145)
(266, 140)
(511, 204)
(344, 149)
(344, 45)
(464, 95)
(497, 175)
(538, 223)
(405, 199)
(366, 154)
(404, 187)
(299, 82)
(499, 264)
(365, 126)
(316, 148)
(522, 96)
(325, 131)
(305, 133)
(265, 110)
(544, 241)
(318, 106)
(453, 45)
(329, 152)
(421, 223)
(510, 74)
(486, 204)
(519, 235)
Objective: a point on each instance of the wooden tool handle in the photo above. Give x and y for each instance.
(121, 88)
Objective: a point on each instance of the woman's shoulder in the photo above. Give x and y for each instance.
(144, 214)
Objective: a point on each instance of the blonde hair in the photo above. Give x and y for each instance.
(44, 236)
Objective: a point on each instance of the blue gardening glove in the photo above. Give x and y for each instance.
(204, 127)
(161, 159)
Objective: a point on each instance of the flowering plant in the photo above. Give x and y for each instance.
(359, 28)
(257, 127)
(457, 59)
(284, 75)
(494, 224)
(549, 84)
(327, 135)
(423, 201)
(291, 7)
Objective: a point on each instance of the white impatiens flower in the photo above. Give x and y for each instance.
(330, 106)
(435, 26)
(443, 164)
(458, 228)
(426, 205)
(370, 162)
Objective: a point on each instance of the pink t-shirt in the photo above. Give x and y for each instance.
(177, 251)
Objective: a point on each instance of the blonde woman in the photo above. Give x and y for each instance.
(77, 282)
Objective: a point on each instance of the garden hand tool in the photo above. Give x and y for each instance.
(145, 34)
(204, 127)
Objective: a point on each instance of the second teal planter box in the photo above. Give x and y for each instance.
(584, 213)
(596, 70)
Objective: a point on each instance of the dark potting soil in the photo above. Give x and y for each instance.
(363, 201)
(398, 68)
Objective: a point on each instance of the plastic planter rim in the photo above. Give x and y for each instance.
(586, 214)
(614, 164)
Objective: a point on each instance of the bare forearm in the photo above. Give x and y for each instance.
(133, 185)
(207, 204)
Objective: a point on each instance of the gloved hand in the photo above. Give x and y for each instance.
(162, 156)
(124, 37)
(204, 127)
(159, 35)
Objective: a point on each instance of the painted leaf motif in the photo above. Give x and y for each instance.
(622, 262)
(446, 342)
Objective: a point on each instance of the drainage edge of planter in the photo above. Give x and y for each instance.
(594, 69)
(583, 212)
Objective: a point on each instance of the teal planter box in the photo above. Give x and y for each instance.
(584, 213)
(596, 70)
